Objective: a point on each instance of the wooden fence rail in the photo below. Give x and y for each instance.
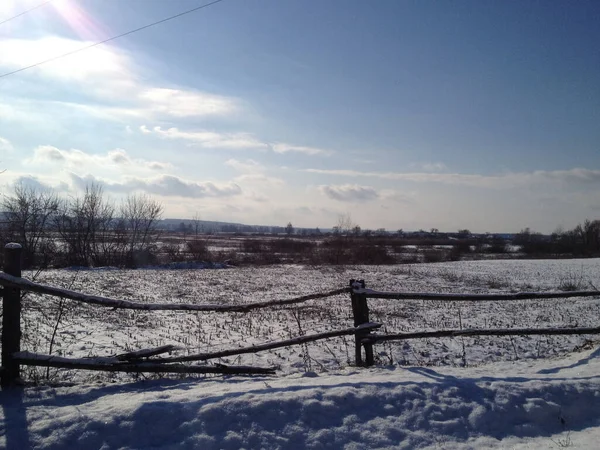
(19, 283)
(143, 361)
(369, 293)
(138, 361)
(483, 332)
(360, 294)
(359, 330)
(108, 365)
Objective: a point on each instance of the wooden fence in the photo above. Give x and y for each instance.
(142, 361)
(366, 338)
(138, 361)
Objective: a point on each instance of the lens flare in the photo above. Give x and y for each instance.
(80, 21)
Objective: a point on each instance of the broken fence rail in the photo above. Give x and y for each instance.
(130, 362)
(272, 345)
(26, 285)
(111, 364)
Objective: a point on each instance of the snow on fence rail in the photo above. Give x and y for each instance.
(272, 345)
(110, 364)
(19, 283)
(473, 297)
(136, 361)
(482, 332)
(360, 294)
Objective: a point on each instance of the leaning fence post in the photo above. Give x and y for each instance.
(360, 311)
(11, 317)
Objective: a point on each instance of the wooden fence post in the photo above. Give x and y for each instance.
(360, 311)
(11, 317)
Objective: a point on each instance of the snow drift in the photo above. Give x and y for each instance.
(527, 404)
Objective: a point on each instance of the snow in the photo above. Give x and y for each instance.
(87, 330)
(525, 405)
(467, 392)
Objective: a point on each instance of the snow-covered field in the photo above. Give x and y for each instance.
(481, 392)
(88, 330)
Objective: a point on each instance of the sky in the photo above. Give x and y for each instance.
(404, 114)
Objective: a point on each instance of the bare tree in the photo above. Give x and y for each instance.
(345, 225)
(591, 234)
(140, 214)
(85, 225)
(29, 214)
(289, 229)
(337, 249)
(197, 226)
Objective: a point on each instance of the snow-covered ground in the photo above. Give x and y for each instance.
(480, 392)
(81, 330)
(530, 404)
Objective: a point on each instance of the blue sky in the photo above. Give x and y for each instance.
(465, 114)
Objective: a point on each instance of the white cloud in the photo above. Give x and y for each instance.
(429, 167)
(159, 166)
(209, 139)
(119, 156)
(51, 181)
(5, 145)
(39, 184)
(281, 147)
(181, 103)
(396, 196)
(247, 166)
(259, 178)
(116, 159)
(110, 77)
(349, 192)
(253, 176)
(509, 180)
(163, 185)
(101, 63)
(577, 174)
(213, 139)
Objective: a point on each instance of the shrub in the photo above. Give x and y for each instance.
(371, 254)
(198, 250)
(433, 255)
(252, 246)
(291, 246)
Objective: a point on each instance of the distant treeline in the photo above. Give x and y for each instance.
(581, 241)
(91, 231)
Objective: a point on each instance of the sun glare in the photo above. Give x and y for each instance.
(82, 23)
(70, 11)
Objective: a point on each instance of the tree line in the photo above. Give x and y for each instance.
(86, 230)
(93, 231)
(583, 240)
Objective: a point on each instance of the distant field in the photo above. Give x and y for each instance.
(84, 330)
